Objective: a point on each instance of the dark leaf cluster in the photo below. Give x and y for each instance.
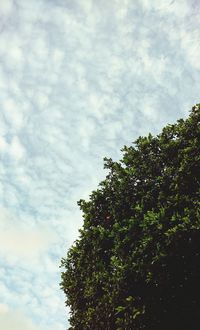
(136, 264)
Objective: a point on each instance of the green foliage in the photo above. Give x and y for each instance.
(136, 264)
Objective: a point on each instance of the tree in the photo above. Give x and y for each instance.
(136, 264)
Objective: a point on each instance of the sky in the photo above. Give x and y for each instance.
(79, 80)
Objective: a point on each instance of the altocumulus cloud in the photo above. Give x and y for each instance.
(78, 80)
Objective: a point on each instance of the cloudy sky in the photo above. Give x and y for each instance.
(79, 79)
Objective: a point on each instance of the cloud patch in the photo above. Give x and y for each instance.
(19, 241)
(15, 320)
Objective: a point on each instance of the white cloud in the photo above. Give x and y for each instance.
(121, 8)
(42, 100)
(167, 7)
(15, 320)
(3, 144)
(14, 149)
(13, 112)
(190, 41)
(16, 54)
(57, 58)
(3, 308)
(6, 7)
(20, 241)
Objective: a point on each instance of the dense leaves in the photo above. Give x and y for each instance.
(136, 264)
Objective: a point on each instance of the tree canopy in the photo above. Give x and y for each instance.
(136, 263)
